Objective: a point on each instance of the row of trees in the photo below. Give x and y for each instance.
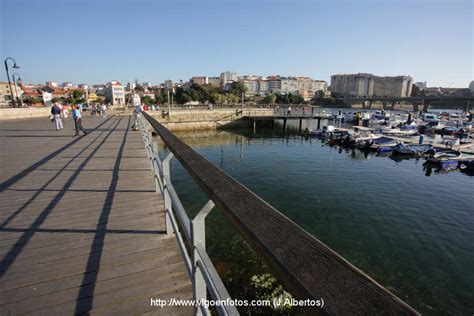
(75, 98)
(203, 93)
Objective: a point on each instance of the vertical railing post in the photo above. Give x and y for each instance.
(151, 154)
(166, 195)
(198, 235)
(156, 170)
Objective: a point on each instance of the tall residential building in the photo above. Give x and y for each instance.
(274, 84)
(115, 93)
(228, 76)
(263, 86)
(366, 85)
(251, 85)
(5, 95)
(289, 85)
(353, 85)
(52, 84)
(67, 84)
(199, 80)
(399, 86)
(308, 87)
(214, 81)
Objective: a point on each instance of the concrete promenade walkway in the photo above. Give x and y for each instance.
(81, 227)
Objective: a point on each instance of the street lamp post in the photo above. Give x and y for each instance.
(16, 89)
(15, 66)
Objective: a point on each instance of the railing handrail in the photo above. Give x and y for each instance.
(306, 267)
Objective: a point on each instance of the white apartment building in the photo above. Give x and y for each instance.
(228, 76)
(115, 93)
(289, 85)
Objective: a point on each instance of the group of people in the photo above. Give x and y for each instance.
(58, 112)
(99, 109)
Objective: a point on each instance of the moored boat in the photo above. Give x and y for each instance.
(411, 150)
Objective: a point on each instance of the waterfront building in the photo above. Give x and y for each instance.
(398, 86)
(5, 94)
(289, 85)
(263, 86)
(366, 85)
(115, 93)
(353, 85)
(274, 84)
(251, 85)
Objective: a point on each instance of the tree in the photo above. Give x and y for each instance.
(238, 88)
(54, 100)
(32, 100)
(270, 99)
(146, 99)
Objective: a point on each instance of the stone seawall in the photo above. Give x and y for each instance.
(199, 119)
(23, 113)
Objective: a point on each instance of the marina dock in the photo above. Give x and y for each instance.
(82, 228)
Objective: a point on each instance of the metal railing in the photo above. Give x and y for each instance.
(199, 266)
(306, 267)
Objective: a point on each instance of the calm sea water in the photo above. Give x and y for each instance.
(411, 232)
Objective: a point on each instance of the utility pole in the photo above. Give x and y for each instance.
(169, 105)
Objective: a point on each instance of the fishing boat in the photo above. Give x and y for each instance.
(382, 144)
(410, 150)
(406, 130)
(443, 156)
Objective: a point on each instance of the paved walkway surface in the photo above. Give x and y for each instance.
(81, 227)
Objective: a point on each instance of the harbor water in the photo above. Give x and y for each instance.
(409, 228)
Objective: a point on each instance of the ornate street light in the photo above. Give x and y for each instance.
(15, 66)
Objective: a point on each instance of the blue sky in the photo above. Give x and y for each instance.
(97, 41)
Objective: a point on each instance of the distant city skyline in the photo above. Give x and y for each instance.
(89, 42)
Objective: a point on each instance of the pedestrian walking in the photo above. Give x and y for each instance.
(289, 111)
(136, 112)
(77, 117)
(103, 108)
(56, 112)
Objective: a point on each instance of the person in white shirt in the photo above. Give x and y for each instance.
(103, 108)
